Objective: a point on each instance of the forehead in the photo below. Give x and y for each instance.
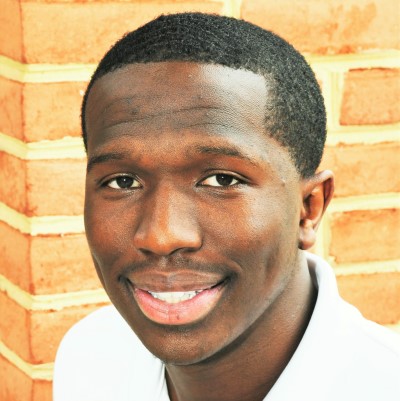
(180, 107)
(144, 92)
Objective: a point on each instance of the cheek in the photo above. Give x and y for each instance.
(106, 230)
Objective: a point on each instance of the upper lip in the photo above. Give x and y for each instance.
(174, 281)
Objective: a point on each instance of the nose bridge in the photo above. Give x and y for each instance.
(168, 223)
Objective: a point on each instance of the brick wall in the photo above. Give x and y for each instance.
(47, 51)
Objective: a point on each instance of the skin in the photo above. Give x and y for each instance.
(174, 129)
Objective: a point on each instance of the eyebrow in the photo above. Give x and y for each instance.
(215, 150)
(104, 158)
(225, 151)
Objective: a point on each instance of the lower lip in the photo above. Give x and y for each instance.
(180, 313)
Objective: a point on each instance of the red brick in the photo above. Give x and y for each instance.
(15, 256)
(11, 108)
(43, 111)
(359, 169)
(13, 182)
(42, 187)
(14, 384)
(15, 327)
(46, 264)
(49, 327)
(52, 111)
(92, 26)
(35, 335)
(365, 235)
(11, 30)
(371, 97)
(42, 390)
(377, 296)
(330, 26)
(62, 264)
(56, 187)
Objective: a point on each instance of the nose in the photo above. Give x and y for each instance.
(168, 224)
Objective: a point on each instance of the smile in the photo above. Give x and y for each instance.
(174, 297)
(178, 307)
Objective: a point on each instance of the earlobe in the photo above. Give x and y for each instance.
(317, 191)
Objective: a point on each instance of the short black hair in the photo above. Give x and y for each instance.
(296, 117)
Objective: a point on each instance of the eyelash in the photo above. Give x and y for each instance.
(237, 182)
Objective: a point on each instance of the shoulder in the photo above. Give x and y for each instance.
(100, 358)
(370, 356)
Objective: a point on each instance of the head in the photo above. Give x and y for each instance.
(295, 113)
(203, 136)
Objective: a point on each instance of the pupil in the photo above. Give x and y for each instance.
(223, 179)
(124, 182)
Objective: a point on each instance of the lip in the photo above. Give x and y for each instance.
(180, 313)
(156, 281)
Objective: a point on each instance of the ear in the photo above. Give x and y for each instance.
(317, 191)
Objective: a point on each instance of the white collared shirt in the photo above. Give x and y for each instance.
(341, 357)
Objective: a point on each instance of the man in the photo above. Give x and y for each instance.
(203, 136)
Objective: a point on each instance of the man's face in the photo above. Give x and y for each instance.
(192, 210)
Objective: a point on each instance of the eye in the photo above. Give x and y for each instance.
(123, 182)
(220, 180)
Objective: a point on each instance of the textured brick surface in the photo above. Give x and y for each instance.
(52, 110)
(14, 384)
(42, 390)
(377, 296)
(330, 26)
(17, 386)
(371, 97)
(13, 182)
(365, 235)
(55, 187)
(15, 259)
(49, 327)
(14, 326)
(36, 335)
(11, 29)
(11, 119)
(364, 169)
(46, 111)
(46, 264)
(62, 264)
(92, 26)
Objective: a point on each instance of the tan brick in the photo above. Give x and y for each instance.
(363, 169)
(11, 30)
(35, 335)
(11, 108)
(371, 97)
(377, 296)
(365, 235)
(42, 187)
(92, 26)
(330, 26)
(46, 264)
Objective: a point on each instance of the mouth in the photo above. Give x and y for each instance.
(178, 307)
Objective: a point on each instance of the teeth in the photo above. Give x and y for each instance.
(174, 297)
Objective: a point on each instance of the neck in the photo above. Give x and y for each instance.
(250, 367)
